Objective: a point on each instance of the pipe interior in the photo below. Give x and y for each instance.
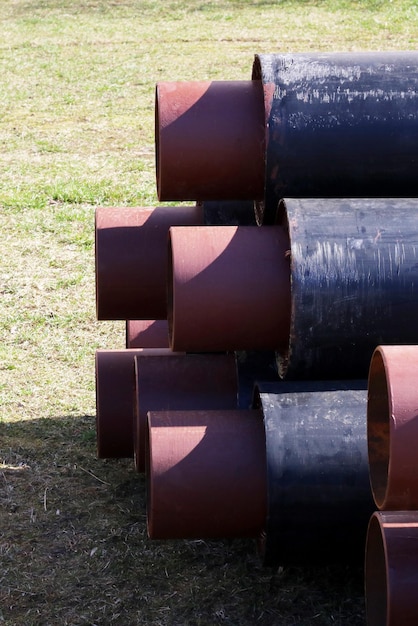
(378, 427)
(375, 575)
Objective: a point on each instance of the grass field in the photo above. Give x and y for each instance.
(76, 132)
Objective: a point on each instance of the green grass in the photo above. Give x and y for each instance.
(76, 131)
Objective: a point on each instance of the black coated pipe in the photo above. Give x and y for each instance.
(339, 125)
(354, 282)
(319, 496)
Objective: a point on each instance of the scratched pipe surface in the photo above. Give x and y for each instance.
(391, 569)
(339, 125)
(319, 496)
(209, 140)
(131, 259)
(393, 427)
(354, 282)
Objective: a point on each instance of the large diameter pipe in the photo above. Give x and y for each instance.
(147, 334)
(391, 569)
(339, 125)
(115, 400)
(228, 288)
(393, 427)
(206, 474)
(209, 140)
(131, 259)
(183, 382)
(319, 497)
(354, 282)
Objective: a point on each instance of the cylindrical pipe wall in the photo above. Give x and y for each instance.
(392, 427)
(147, 334)
(115, 400)
(228, 288)
(131, 259)
(206, 474)
(209, 140)
(391, 569)
(339, 125)
(319, 497)
(354, 282)
(182, 382)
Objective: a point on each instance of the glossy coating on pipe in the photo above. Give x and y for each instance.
(131, 259)
(207, 476)
(391, 569)
(339, 125)
(392, 424)
(115, 400)
(228, 288)
(209, 140)
(183, 382)
(354, 278)
(147, 334)
(319, 493)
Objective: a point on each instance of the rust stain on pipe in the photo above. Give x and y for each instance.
(131, 259)
(182, 382)
(228, 288)
(210, 140)
(392, 425)
(206, 474)
(391, 569)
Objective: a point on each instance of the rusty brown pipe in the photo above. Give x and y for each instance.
(210, 140)
(206, 474)
(182, 382)
(228, 288)
(391, 569)
(131, 259)
(115, 400)
(147, 334)
(392, 427)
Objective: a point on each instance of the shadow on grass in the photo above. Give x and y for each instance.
(74, 549)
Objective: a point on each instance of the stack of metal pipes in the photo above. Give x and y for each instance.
(254, 313)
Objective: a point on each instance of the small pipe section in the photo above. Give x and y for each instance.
(115, 400)
(182, 382)
(206, 474)
(391, 569)
(228, 288)
(392, 427)
(131, 259)
(147, 334)
(319, 497)
(209, 140)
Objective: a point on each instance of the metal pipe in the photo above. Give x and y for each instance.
(131, 259)
(228, 288)
(391, 569)
(209, 140)
(206, 474)
(181, 382)
(147, 334)
(115, 400)
(354, 282)
(319, 497)
(393, 428)
(339, 125)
